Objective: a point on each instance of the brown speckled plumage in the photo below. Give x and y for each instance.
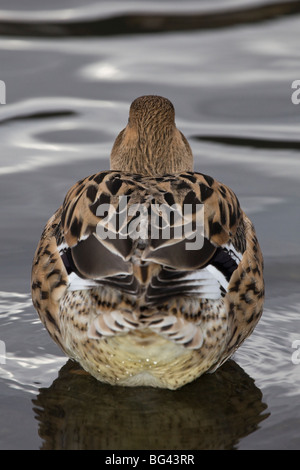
(138, 311)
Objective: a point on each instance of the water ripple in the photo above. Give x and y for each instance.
(25, 365)
(37, 144)
(268, 354)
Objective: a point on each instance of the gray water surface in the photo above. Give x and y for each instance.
(71, 71)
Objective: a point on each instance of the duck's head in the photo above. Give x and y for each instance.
(151, 144)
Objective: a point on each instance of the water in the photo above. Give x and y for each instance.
(71, 72)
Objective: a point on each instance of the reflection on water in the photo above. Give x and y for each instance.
(139, 23)
(77, 412)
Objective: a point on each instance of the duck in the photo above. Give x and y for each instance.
(149, 274)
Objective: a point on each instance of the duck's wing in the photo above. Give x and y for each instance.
(112, 221)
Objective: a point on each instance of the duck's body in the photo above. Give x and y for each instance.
(138, 296)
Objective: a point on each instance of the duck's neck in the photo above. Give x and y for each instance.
(151, 152)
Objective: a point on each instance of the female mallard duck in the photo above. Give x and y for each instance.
(149, 273)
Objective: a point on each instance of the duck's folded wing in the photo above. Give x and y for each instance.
(113, 220)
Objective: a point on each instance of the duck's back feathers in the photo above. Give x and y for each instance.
(112, 220)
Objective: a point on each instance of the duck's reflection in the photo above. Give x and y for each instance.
(214, 412)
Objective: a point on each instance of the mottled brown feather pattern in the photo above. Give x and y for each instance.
(49, 279)
(130, 329)
(78, 208)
